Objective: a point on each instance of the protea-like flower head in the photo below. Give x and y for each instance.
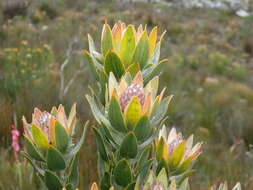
(44, 125)
(131, 91)
(176, 154)
(135, 100)
(132, 114)
(125, 49)
(50, 149)
(162, 182)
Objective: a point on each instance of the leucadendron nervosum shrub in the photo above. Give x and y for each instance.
(136, 149)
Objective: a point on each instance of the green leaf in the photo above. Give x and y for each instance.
(177, 155)
(99, 116)
(122, 173)
(32, 150)
(185, 176)
(185, 165)
(55, 160)
(115, 115)
(127, 46)
(108, 134)
(162, 164)
(133, 69)
(128, 148)
(52, 181)
(142, 128)
(36, 168)
(39, 138)
(145, 169)
(72, 119)
(161, 150)
(91, 44)
(69, 186)
(103, 79)
(142, 50)
(77, 147)
(143, 158)
(131, 186)
(184, 185)
(93, 51)
(100, 145)
(133, 112)
(154, 70)
(162, 178)
(106, 42)
(114, 64)
(73, 177)
(160, 110)
(105, 183)
(61, 137)
(91, 64)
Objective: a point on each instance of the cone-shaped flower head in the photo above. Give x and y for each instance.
(174, 153)
(49, 147)
(44, 126)
(124, 49)
(133, 101)
(130, 92)
(162, 182)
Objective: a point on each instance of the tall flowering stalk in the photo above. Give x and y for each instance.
(50, 148)
(15, 140)
(174, 153)
(130, 112)
(135, 152)
(125, 50)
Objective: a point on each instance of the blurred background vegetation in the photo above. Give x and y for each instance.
(209, 72)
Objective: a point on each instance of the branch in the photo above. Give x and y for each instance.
(71, 81)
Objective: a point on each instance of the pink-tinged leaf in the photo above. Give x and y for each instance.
(94, 186)
(112, 84)
(52, 131)
(139, 33)
(138, 79)
(152, 87)
(147, 105)
(122, 85)
(114, 94)
(61, 116)
(117, 32)
(161, 95)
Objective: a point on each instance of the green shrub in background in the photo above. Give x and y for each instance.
(24, 67)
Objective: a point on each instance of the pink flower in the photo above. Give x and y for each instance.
(15, 138)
